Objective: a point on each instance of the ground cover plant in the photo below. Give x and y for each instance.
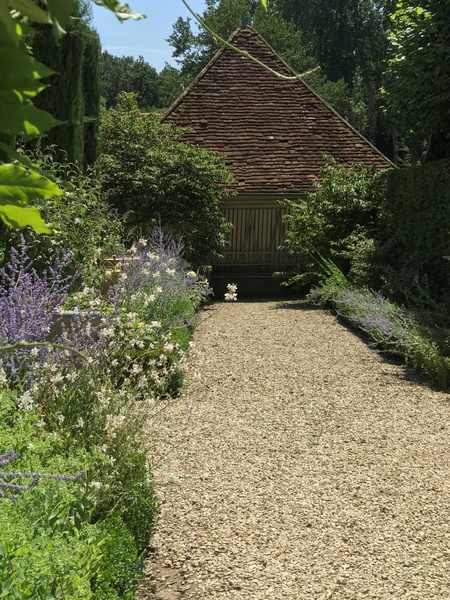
(420, 339)
(86, 404)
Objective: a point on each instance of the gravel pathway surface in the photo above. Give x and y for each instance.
(297, 464)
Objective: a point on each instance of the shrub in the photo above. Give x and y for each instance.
(85, 226)
(120, 568)
(416, 217)
(28, 300)
(148, 171)
(48, 548)
(338, 220)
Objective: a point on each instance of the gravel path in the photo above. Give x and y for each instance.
(297, 464)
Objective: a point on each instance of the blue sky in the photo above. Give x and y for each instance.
(146, 37)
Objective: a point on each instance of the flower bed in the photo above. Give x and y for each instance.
(85, 403)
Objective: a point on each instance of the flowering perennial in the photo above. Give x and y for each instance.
(231, 294)
(9, 457)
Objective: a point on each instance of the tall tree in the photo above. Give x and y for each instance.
(127, 74)
(418, 79)
(73, 95)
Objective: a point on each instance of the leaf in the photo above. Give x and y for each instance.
(19, 217)
(30, 10)
(60, 13)
(12, 153)
(21, 71)
(18, 116)
(21, 185)
(264, 3)
(120, 9)
(9, 36)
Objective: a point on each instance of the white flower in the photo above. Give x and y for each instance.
(231, 295)
(168, 347)
(170, 272)
(156, 274)
(155, 324)
(26, 401)
(158, 290)
(191, 275)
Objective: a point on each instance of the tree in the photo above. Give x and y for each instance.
(171, 84)
(348, 39)
(417, 82)
(73, 93)
(153, 177)
(21, 74)
(127, 74)
(193, 50)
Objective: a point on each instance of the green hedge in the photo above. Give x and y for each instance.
(416, 219)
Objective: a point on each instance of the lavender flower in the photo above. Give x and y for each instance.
(28, 301)
(11, 456)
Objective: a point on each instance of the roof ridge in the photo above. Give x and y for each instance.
(214, 59)
(272, 131)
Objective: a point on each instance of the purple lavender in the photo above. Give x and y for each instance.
(28, 301)
(11, 456)
(384, 322)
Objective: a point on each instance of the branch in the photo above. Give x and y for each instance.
(245, 53)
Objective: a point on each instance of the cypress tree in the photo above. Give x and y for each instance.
(91, 91)
(73, 94)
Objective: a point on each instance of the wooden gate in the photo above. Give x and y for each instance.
(258, 231)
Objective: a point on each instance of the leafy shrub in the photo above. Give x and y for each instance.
(339, 221)
(48, 548)
(416, 217)
(120, 568)
(147, 170)
(85, 226)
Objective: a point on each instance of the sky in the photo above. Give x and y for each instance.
(145, 37)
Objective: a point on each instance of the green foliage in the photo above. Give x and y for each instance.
(416, 220)
(73, 95)
(85, 225)
(120, 568)
(336, 220)
(21, 76)
(48, 548)
(91, 93)
(147, 170)
(397, 331)
(418, 80)
(126, 74)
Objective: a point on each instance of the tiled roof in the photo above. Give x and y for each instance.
(272, 132)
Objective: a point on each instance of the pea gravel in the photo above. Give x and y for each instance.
(298, 464)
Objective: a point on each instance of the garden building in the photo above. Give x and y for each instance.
(273, 134)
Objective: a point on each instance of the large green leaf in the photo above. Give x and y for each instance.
(30, 10)
(20, 70)
(60, 13)
(18, 217)
(18, 116)
(264, 3)
(8, 32)
(19, 185)
(120, 9)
